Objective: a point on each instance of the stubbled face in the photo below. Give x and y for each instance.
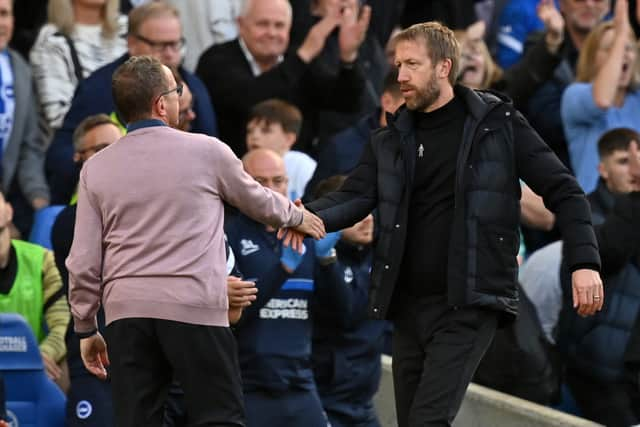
(583, 15)
(268, 169)
(187, 113)
(416, 75)
(261, 134)
(629, 59)
(172, 99)
(95, 140)
(265, 28)
(159, 37)
(614, 169)
(361, 233)
(6, 23)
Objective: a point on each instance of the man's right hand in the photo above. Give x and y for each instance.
(240, 292)
(311, 225)
(93, 351)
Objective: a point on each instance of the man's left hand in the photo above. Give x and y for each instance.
(93, 351)
(588, 292)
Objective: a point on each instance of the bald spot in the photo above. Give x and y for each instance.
(250, 7)
(262, 161)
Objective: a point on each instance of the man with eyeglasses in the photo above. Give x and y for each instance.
(149, 248)
(155, 30)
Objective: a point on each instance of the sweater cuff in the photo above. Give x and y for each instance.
(84, 326)
(587, 266)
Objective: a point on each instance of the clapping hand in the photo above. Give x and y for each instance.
(353, 30)
(553, 22)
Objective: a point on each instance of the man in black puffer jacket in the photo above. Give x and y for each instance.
(444, 179)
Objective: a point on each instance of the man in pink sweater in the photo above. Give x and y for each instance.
(149, 246)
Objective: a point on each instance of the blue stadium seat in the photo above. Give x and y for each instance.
(33, 400)
(43, 221)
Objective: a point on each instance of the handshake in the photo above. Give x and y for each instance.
(311, 226)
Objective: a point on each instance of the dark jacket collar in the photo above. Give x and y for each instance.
(602, 199)
(478, 103)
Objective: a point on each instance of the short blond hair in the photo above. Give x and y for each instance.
(60, 14)
(440, 41)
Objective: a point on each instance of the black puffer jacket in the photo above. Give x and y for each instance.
(498, 147)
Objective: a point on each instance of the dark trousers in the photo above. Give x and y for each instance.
(89, 402)
(146, 355)
(341, 420)
(294, 408)
(436, 350)
(610, 404)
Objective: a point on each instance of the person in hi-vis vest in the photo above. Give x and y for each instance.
(30, 285)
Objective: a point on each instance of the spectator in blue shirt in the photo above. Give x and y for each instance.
(605, 95)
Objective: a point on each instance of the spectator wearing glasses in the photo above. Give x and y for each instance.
(80, 37)
(155, 30)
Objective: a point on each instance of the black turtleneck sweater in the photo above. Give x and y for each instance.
(438, 136)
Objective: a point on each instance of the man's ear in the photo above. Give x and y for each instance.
(159, 108)
(604, 174)
(444, 68)
(291, 138)
(8, 213)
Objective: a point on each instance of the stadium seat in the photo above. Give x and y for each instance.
(32, 399)
(43, 221)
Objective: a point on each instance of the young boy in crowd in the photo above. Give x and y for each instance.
(275, 124)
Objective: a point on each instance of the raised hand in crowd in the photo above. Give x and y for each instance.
(317, 36)
(553, 24)
(588, 292)
(621, 21)
(241, 294)
(353, 30)
(604, 92)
